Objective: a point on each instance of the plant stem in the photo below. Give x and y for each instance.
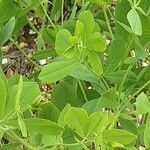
(141, 88)
(142, 72)
(62, 13)
(128, 100)
(126, 53)
(105, 83)
(82, 90)
(18, 139)
(32, 26)
(107, 21)
(49, 19)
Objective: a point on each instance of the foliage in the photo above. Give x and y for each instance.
(100, 96)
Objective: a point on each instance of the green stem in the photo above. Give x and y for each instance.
(49, 19)
(44, 16)
(105, 83)
(138, 2)
(62, 13)
(32, 26)
(142, 72)
(120, 88)
(141, 88)
(21, 141)
(107, 21)
(126, 53)
(128, 100)
(82, 90)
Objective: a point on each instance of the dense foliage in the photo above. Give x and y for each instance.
(93, 89)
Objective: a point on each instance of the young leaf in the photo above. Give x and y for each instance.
(7, 31)
(95, 63)
(57, 70)
(2, 97)
(79, 29)
(142, 104)
(134, 21)
(77, 119)
(63, 45)
(119, 136)
(87, 19)
(96, 42)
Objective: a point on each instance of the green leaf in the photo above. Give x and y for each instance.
(18, 94)
(43, 126)
(56, 7)
(96, 42)
(116, 53)
(7, 10)
(83, 73)
(57, 70)
(119, 136)
(64, 93)
(63, 45)
(95, 119)
(108, 100)
(22, 126)
(48, 111)
(127, 28)
(95, 63)
(134, 21)
(48, 35)
(87, 19)
(117, 77)
(142, 104)
(128, 125)
(2, 97)
(43, 54)
(10, 146)
(90, 105)
(121, 10)
(28, 95)
(79, 29)
(3, 77)
(61, 119)
(77, 119)
(7, 31)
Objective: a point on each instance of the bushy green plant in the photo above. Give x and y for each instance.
(100, 88)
